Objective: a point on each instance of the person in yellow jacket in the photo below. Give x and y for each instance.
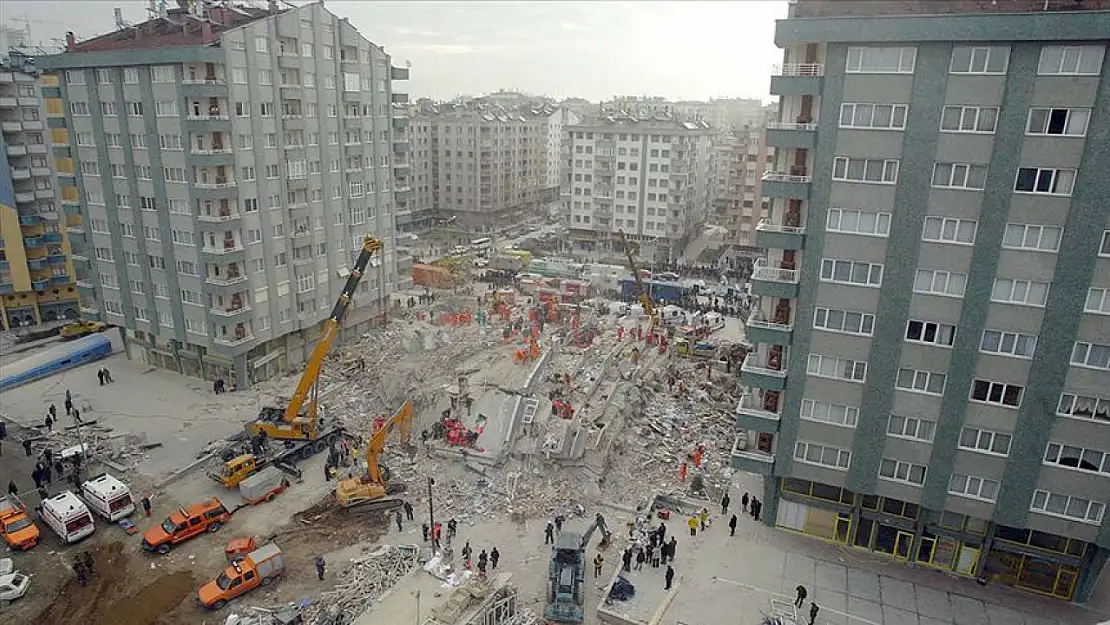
(693, 523)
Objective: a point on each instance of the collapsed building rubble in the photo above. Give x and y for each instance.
(362, 584)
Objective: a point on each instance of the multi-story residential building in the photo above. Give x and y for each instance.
(720, 113)
(485, 166)
(740, 157)
(646, 177)
(36, 272)
(231, 160)
(934, 344)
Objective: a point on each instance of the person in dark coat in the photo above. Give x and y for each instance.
(626, 559)
(320, 565)
(813, 610)
(494, 556)
(800, 597)
(13, 489)
(724, 504)
(549, 533)
(744, 502)
(50, 423)
(732, 526)
(669, 577)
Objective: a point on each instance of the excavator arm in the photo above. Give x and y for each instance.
(645, 299)
(401, 419)
(307, 386)
(598, 524)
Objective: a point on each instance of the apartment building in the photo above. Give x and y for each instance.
(740, 157)
(483, 165)
(230, 161)
(36, 272)
(933, 350)
(647, 177)
(720, 113)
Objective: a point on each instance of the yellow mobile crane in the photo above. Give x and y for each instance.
(299, 421)
(373, 485)
(645, 299)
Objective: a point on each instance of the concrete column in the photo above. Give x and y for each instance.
(239, 365)
(984, 549)
(1093, 563)
(770, 499)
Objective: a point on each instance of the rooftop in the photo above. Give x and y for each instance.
(656, 122)
(486, 112)
(201, 26)
(865, 8)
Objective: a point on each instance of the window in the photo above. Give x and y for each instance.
(79, 108)
(985, 441)
(104, 253)
(979, 60)
(851, 272)
(141, 314)
(1044, 181)
(167, 108)
(132, 258)
(1076, 508)
(1063, 122)
(305, 282)
(973, 486)
(89, 168)
(836, 368)
(959, 176)
(930, 332)
(328, 52)
(1077, 458)
(846, 321)
(1032, 237)
(928, 382)
(949, 230)
(191, 297)
(834, 414)
(85, 138)
(98, 225)
(1021, 292)
(182, 237)
(137, 287)
(858, 222)
(824, 455)
(1104, 246)
(109, 109)
(898, 471)
(261, 44)
(998, 393)
(113, 307)
(911, 427)
(109, 280)
(868, 170)
(969, 119)
(1098, 301)
(254, 235)
(1092, 355)
(138, 141)
(174, 174)
(152, 233)
(876, 60)
(936, 282)
(196, 327)
(1008, 343)
(187, 268)
(1071, 60)
(162, 73)
(873, 116)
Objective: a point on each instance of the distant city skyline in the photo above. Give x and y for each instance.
(595, 50)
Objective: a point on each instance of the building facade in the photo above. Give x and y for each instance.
(485, 165)
(740, 157)
(230, 161)
(648, 178)
(36, 271)
(934, 335)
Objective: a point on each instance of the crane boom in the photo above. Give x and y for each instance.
(309, 379)
(645, 298)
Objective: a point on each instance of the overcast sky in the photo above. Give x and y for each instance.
(679, 50)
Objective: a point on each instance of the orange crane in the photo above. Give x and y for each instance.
(372, 486)
(299, 421)
(645, 298)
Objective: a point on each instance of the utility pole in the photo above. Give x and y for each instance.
(432, 513)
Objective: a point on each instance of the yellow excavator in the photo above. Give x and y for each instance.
(296, 429)
(368, 491)
(645, 298)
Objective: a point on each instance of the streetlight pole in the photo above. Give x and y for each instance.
(432, 513)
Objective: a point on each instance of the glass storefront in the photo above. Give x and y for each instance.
(1031, 573)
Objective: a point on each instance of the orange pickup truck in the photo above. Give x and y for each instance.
(19, 531)
(259, 568)
(206, 516)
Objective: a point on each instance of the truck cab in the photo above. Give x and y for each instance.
(206, 516)
(236, 470)
(19, 531)
(259, 568)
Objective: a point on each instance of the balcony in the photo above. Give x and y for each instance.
(29, 220)
(7, 288)
(398, 73)
(796, 135)
(40, 171)
(24, 196)
(34, 148)
(401, 166)
(228, 247)
(32, 242)
(44, 194)
(746, 457)
(400, 147)
(400, 122)
(774, 282)
(52, 237)
(774, 236)
(36, 264)
(399, 98)
(752, 413)
(233, 309)
(11, 127)
(792, 185)
(56, 259)
(59, 279)
(17, 149)
(21, 173)
(756, 374)
(8, 102)
(233, 340)
(762, 331)
(219, 216)
(402, 193)
(40, 285)
(212, 157)
(227, 280)
(797, 79)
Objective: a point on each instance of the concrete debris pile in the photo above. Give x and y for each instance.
(124, 450)
(363, 583)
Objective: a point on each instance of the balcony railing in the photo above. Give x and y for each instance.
(773, 274)
(231, 341)
(767, 226)
(207, 80)
(800, 69)
(226, 280)
(229, 311)
(781, 176)
(223, 215)
(212, 115)
(751, 403)
(209, 151)
(790, 126)
(767, 325)
(226, 248)
(219, 183)
(753, 364)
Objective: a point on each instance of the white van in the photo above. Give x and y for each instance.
(714, 320)
(68, 516)
(108, 497)
(672, 315)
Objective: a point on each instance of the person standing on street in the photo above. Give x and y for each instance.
(724, 504)
(669, 577)
(13, 489)
(598, 561)
(50, 423)
(732, 526)
(744, 502)
(813, 610)
(397, 518)
(494, 556)
(408, 512)
(146, 506)
(800, 597)
(549, 533)
(693, 523)
(27, 447)
(320, 567)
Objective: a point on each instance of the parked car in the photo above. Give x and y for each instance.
(206, 516)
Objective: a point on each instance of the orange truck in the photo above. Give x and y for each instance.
(19, 531)
(260, 568)
(206, 516)
(432, 276)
